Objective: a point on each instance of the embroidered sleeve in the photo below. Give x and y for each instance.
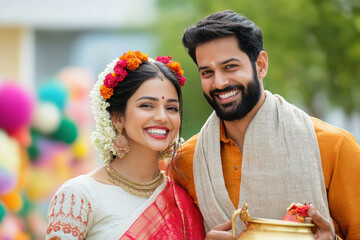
(69, 216)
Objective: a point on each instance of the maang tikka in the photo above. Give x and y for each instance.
(120, 142)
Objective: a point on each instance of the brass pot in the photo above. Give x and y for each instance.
(270, 229)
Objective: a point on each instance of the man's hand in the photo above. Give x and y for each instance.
(323, 229)
(220, 232)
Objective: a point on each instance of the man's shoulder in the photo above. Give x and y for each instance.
(188, 149)
(330, 134)
(328, 129)
(191, 142)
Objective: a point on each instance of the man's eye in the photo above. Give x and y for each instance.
(206, 72)
(230, 66)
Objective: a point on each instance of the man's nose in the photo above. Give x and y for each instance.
(220, 81)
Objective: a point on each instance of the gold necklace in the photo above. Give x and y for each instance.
(135, 188)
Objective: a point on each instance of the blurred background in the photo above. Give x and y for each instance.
(52, 51)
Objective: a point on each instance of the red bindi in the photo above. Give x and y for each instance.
(162, 97)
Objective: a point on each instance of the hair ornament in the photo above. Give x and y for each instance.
(174, 66)
(128, 61)
(131, 61)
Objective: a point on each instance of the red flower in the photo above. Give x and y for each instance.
(182, 80)
(163, 59)
(301, 210)
(296, 213)
(121, 74)
(120, 64)
(110, 81)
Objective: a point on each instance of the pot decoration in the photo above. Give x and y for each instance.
(270, 229)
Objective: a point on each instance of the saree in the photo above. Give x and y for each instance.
(172, 215)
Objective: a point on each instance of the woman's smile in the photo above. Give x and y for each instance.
(157, 132)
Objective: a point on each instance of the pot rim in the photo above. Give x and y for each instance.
(280, 222)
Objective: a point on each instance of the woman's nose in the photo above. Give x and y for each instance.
(161, 115)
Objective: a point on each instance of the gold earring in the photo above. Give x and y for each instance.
(121, 144)
(167, 153)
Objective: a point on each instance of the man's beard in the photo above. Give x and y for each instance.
(236, 110)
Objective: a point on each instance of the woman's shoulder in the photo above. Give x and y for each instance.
(79, 185)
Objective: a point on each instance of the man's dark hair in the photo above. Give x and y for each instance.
(224, 24)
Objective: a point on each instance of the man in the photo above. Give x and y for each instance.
(258, 149)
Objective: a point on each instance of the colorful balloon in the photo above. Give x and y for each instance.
(13, 201)
(8, 181)
(66, 132)
(47, 118)
(2, 211)
(54, 91)
(16, 107)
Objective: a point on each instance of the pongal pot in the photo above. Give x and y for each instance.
(269, 229)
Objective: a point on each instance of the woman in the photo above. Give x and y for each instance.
(138, 108)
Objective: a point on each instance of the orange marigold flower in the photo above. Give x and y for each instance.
(141, 56)
(106, 92)
(175, 66)
(129, 54)
(133, 63)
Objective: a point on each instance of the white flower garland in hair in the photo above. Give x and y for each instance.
(105, 132)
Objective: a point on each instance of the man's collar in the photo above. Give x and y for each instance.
(223, 137)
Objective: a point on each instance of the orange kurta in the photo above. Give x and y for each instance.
(340, 157)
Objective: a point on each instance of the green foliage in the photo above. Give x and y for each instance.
(313, 48)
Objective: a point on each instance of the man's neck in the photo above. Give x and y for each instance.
(235, 130)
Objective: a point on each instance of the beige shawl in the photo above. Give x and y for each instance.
(281, 164)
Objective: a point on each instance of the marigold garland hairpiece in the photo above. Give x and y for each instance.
(114, 73)
(174, 66)
(131, 61)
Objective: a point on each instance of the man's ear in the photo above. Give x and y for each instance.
(262, 64)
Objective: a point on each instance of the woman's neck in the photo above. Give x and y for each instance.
(139, 165)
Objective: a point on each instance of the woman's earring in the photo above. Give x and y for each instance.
(167, 153)
(120, 143)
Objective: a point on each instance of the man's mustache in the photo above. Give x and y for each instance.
(227, 89)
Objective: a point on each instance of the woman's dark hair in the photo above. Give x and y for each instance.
(224, 24)
(134, 79)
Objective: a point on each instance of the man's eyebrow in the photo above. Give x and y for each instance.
(222, 63)
(230, 60)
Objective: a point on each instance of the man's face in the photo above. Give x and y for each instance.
(229, 81)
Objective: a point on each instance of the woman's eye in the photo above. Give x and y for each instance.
(174, 109)
(146, 105)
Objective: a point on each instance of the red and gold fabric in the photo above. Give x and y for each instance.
(172, 215)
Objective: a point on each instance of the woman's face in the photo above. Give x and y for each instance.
(152, 117)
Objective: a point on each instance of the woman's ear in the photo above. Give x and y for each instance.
(116, 118)
(262, 65)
